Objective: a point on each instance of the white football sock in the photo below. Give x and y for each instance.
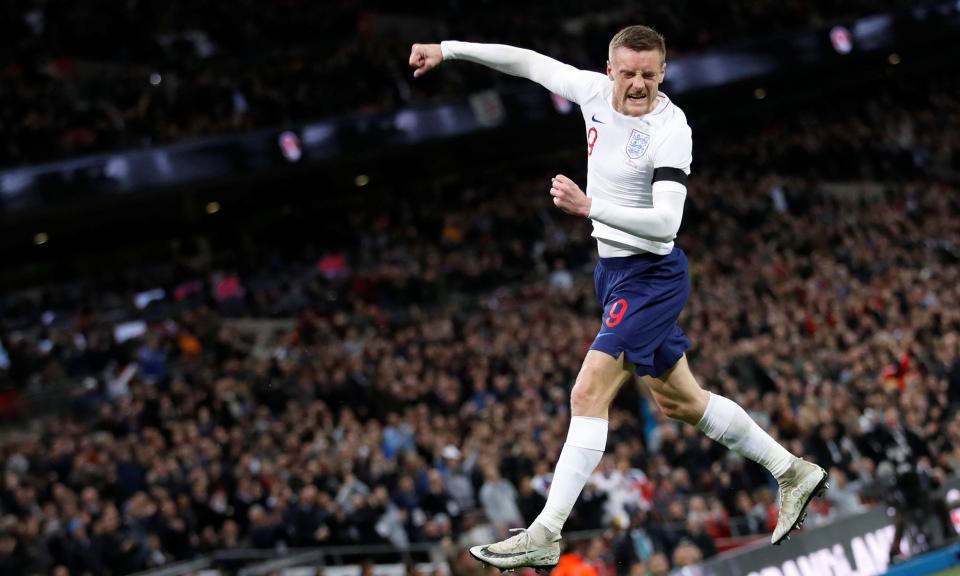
(729, 424)
(586, 441)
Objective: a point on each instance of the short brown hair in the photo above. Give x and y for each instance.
(639, 39)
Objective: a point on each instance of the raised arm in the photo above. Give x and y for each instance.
(553, 75)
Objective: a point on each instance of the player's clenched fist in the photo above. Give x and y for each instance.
(425, 57)
(568, 197)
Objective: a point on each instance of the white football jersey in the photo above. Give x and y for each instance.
(623, 151)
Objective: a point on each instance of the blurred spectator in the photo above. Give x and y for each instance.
(686, 553)
(700, 539)
(658, 565)
(573, 564)
(457, 480)
(499, 499)
(530, 501)
(843, 495)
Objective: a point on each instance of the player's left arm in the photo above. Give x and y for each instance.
(671, 161)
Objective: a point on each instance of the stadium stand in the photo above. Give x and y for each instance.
(409, 382)
(169, 71)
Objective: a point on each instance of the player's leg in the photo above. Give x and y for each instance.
(600, 378)
(681, 398)
(641, 297)
(598, 382)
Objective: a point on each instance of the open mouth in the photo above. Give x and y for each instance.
(636, 98)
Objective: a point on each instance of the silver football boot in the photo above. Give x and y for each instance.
(519, 551)
(798, 486)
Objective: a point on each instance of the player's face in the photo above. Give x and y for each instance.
(636, 78)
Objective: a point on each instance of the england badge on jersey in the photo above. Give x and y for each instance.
(637, 144)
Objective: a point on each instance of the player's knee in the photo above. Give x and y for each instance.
(589, 396)
(584, 398)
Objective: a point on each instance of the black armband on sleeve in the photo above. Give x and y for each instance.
(670, 175)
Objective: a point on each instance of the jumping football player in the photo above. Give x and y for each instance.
(639, 151)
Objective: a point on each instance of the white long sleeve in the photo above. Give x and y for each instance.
(659, 222)
(555, 76)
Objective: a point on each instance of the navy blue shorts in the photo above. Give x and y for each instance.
(642, 296)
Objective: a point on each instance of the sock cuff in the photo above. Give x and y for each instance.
(588, 432)
(704, 420)
(720, 415)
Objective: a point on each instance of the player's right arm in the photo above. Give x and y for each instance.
(555, 76)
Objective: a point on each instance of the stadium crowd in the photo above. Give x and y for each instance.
(166, 71)
(421, 393)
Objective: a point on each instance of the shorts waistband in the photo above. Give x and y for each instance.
(618, 262)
